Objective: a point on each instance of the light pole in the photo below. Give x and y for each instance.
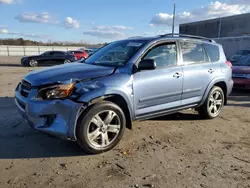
(173, 19)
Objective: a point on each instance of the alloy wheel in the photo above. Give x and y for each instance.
(33, 63)
(103, 129)
(215, 103)
(67, 61)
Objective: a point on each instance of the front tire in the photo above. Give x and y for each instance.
(33, 63)
(213, 104)
(101, 128)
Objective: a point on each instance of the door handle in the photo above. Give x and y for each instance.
(177, 75)
(210, 71)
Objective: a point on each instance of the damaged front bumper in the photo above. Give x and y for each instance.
(55, 117)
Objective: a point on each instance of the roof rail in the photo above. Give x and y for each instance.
(188, 36)
(135, 37)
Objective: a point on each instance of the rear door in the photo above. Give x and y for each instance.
(46, 58)
(158, 90)
(198, 71)
(58, 57)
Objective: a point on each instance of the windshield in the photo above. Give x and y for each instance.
(45, 53)
(244, 61)
(116, 53)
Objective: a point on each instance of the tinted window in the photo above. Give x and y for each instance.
(164, 55)
(213, 52)
(59, 53)
(193, 53)
(75, 52)
(46, 54)
(78, 52)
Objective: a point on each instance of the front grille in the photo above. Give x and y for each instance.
(25, 88)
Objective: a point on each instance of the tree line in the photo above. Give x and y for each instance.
(24, 42)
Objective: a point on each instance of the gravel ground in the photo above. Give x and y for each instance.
(173, 151)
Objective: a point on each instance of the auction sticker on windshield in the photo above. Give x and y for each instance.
(135, 44)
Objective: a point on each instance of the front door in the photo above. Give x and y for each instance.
(158, 90)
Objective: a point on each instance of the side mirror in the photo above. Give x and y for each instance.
(147, 64)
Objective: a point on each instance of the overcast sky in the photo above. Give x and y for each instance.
(104, 21)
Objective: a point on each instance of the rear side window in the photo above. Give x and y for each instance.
(213, 52)
(59, 53)
(193, 53)
(78, 52)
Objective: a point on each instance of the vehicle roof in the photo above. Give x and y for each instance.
(175, 37)
(55, 51)
(76, 51)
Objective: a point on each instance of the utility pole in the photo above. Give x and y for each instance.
(173, 19)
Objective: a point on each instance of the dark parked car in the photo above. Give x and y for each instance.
(48, 58)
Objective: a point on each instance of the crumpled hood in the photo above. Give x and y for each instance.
(241, 69)
(66, 72)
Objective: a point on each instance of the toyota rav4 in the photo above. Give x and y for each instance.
(94, 101)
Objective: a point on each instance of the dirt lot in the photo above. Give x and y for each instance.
(170, 152)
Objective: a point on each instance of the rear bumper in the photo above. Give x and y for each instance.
(240, 83)
(230, 87)
(55, 117)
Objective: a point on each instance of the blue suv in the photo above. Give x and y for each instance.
(92, 102)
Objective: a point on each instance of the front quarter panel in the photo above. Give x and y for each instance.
(116, 84)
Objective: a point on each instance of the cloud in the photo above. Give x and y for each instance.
(18, 34)
(36, 18)
(11, 2)
(71, 23)
(3, 31)
(6, 1)
(46, 18)
(212, 10)
(111, 28)
(105, 34)
(108, 32)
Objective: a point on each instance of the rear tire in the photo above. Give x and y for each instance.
(213, 104)
(101, 127)
(66, 61)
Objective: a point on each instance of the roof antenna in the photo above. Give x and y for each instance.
(174, 5)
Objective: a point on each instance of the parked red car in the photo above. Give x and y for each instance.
(79, 54)
(241, 73)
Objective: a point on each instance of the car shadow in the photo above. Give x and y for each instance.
(240, 98)
(20, 65)
(18, 140)
(10, 65)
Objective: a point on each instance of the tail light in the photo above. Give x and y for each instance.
(229, 64)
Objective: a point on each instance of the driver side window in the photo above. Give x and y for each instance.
(164, 55)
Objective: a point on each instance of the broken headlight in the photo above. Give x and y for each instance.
(59, 91)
